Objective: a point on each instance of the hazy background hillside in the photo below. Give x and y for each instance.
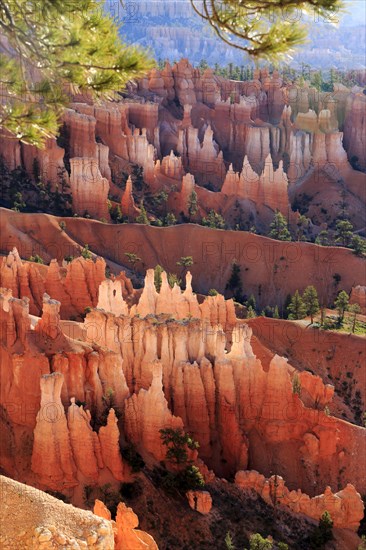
(172, 30)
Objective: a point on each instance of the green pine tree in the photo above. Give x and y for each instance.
(310, 299)
(250, 312)
(185, 262)
(170, 219)
(257, 542)
(344, 232)
(322, 238)
(251, 302)
(297, 308)
(229, 545)
(132, 258)
(302, 225)
(214, 220)
(278, 228)
(234, 282)
(275, 30)
(355, 309)
(341, 305)
(52, 45)
(177, 443)
(359, 245)
(157, 277)
(142, 217)
(192, 204)
(317, 80)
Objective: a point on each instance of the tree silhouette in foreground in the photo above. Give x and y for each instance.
(263, 28)
(47, 44)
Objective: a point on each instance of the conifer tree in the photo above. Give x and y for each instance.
(49, 45)
(355, 309)
(142, 217)
(251, 302)
(322, 238)
(297, 308)
(344, 232)
(278, 228)
(234, 282)
(214, 220)
(263, 28)
(185, 262)
(310, 298)
(192, 204)
(132, 258)
(359, 245)
(170, 219)
(250, 312)
(157, 277)
(341, 304)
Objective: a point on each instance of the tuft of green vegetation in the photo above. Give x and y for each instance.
(173, 279)
(214, 220)
(257, 542)
(344, 232)
(212, 292)
(133, 259)
(229, 545)
(36, 259)
(157, 277)
(296, 385)
(86, 253)
(359, 245)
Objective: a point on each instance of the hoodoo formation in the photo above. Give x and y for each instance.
(170, 360)
(182, 282)
(247, 149)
